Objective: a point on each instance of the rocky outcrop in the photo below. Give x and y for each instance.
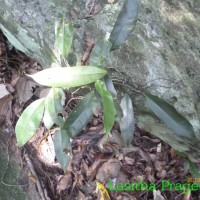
(161, 55)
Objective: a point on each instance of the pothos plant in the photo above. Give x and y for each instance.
(104, 93)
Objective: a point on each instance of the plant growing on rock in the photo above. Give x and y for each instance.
(59, 78)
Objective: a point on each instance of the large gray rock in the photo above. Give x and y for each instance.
(15, 182)
(161, 56)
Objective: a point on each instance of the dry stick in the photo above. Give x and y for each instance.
(73, 98)
(39, 187)
(120, 82)
(127, 86)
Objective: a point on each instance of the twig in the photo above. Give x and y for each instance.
(73, 98)
(119, 82)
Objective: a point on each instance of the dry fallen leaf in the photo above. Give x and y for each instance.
(25, 89)
(3, 91)
(102, 191)
(151, 178)
(173, 152)
(15, 77)
(128, 160)
(43, 92)
(162, 174)
(159, 148)
(2, 48)
(92, 170)
(157, 195)
(126, 196)
(159, 165)
(81, 196)
(46, 150)
(108, 170)
(145, 155)
(64, 182)
(2, 120)
(5, 106)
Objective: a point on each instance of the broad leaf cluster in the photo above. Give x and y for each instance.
(104, 94)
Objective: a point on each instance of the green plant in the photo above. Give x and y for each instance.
(59, 78)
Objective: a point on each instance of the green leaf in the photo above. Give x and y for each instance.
(118, 111)
(62, 147)
(64, 37)
(125, 23)
(109, 85)
(194, 169)
(48, 121)
(29, 121)
(100, 52)
(167, 113)
(108, 105)
(53, 106)
(67, 77)
(127, 123)
(81, 114)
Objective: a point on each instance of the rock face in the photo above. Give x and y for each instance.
(13, 178)
(161, 56)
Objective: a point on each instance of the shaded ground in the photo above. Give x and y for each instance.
(97, 165)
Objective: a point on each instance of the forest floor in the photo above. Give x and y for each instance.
(98, 170)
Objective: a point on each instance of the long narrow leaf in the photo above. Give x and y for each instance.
(194, 171)
(108, 106)
(81, 114)
(100, 51)
(63, 38)
(118, 111)
(109, 85)
(127, 122)
(125, 23)
(62, 147)
(53, 106)
(68, 76)
(29, 121)
(170, 116)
